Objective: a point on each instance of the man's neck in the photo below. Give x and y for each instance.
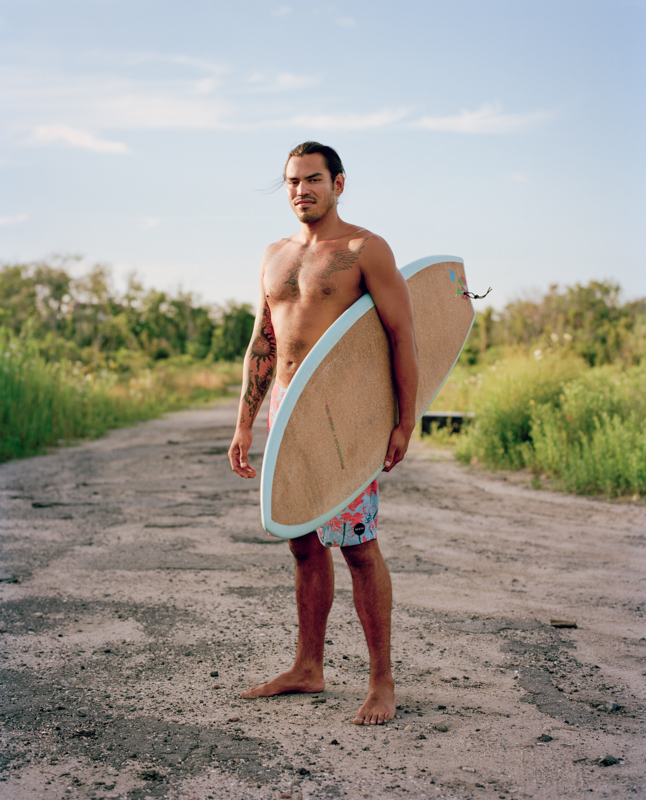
(326, 229)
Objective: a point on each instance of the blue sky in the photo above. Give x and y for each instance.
(145, 133)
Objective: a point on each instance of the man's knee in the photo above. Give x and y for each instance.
(305, 547)
(364, 554)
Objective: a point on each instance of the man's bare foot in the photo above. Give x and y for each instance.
(290, 681)
(379, 707)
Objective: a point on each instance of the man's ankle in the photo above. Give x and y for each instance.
(381, 679)
(308, 669)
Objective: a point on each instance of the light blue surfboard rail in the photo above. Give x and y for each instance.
(316, 355)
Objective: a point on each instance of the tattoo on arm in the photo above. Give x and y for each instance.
(257, 386)
(263, 345)
(261, 358)
(342, 260)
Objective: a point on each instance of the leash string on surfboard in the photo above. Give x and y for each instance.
(464, 292)
(473, 296)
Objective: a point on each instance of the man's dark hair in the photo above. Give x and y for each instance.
(330, 155)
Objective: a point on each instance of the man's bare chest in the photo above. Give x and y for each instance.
(300, 272)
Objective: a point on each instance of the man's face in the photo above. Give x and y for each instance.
(309, 187)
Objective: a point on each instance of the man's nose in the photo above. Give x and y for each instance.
(301, 189)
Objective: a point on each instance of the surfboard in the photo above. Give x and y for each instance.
(331, 432)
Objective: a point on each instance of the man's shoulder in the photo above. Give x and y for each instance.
(280, 244)
(275, 249)
(373, 247)
(367, 242)
(356, 232)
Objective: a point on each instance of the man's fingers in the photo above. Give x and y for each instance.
(238, 457)
(397, 447)
(392, 458)
(244, 471)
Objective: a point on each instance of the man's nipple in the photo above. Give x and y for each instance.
(327, 290)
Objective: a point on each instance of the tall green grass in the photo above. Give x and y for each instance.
(583, 428)
(592, 440)
(43, 402)
(508, 391)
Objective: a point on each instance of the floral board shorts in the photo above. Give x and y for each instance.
(355, 524)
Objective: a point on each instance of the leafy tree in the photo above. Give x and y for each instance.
(590, 320)
(18, 300)
(233, 332)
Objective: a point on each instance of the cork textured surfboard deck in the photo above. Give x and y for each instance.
(330, 435)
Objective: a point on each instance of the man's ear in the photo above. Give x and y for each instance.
(339, 184)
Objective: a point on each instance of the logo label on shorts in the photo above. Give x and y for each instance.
(359, 528)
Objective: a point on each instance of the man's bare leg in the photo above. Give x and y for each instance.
(372, 592)
(314, 595)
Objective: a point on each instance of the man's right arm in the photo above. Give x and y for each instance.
(259, 363)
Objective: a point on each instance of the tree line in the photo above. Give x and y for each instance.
(590, 320)
(84, 319)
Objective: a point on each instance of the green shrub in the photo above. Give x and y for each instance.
(594, 440)
(583, 428)
(500, 436)
(42, 403)
(460, 389)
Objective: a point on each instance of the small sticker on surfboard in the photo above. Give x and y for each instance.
(462, 288)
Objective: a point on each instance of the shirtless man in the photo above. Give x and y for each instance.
(307, 282)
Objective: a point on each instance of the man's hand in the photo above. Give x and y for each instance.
(239, 451)
(397, 446)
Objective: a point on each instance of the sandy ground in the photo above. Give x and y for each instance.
(140, 595)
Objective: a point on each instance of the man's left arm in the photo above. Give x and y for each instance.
(392, 301)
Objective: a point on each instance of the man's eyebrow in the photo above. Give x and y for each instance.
(306, 178)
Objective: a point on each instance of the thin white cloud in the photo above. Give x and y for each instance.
(76, 137)
(88, 102)
(142, 109)
(345, 22)
(196, 63)
(281, 82)
(281, 11)
(287, 80)
(15, 220)
(148, 223)
(487, 119)
(348, 122)
(518, 177)
(205, 86)
(65, 108)
(138, 58)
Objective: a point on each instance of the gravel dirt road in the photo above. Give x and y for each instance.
(139, 596)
